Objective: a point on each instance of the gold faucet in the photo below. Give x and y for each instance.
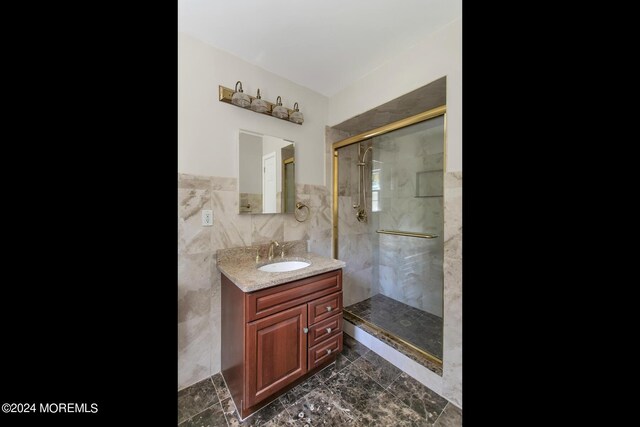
(273, 242)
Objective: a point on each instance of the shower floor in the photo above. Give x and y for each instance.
(422, 329)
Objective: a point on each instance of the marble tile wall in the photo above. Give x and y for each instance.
(410, 269)
(251, 202)
(332, 135)
(355, 241)
(199, 279)
(452, 334)
(194, 281)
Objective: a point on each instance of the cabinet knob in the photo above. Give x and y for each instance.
(328, 351)
(305, 330)
(328, 330)
(329, 308)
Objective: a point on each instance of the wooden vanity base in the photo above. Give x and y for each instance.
(275, 338)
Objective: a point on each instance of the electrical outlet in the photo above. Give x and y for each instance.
(207, 217)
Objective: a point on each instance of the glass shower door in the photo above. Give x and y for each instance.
(402, 294)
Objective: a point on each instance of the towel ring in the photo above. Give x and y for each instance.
(300, 206)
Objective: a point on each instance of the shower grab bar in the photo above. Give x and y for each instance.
(408, 234)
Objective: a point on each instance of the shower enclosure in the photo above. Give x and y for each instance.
(390, 220)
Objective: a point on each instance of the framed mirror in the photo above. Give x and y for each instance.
(266, 181)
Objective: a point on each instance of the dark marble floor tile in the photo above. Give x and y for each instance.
(282, 419)
(296, 393)
(352, 349)
(331, 370)
(384, 410)
(383, 372)
(450, 417)
(418, 397)
(211, 417)
(319, 407)
(259, 418)
(195, 399)
(353, 388)
(221, 387)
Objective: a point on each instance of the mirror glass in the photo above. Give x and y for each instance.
(267, 174)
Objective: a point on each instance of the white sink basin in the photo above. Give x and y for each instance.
(279, 267)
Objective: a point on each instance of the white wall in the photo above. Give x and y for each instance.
(436, 56)
(208, 128)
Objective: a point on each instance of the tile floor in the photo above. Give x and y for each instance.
(393, 342)
(360, 389)
(409, 323)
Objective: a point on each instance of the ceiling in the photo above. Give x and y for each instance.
(325, 45)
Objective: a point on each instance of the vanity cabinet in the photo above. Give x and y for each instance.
(274, 338)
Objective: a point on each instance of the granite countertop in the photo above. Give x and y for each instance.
(239, 265)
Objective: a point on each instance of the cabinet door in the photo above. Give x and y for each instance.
(276, 353)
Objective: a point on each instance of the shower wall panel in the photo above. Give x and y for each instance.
(410, 163)
(354, 238)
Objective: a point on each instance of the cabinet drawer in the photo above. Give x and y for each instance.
(326, 307)
(272, 300)
(324, 329)
(328, 348)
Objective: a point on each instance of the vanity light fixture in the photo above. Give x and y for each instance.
(240, 98)
(258, 104)
(279, 111)
(296, 116)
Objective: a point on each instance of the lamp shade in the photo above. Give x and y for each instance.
(240, 98)
(258, 104)
(279, 111)
(296, 116)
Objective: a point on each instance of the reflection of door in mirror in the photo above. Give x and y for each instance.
(269, 189)
(266, 179)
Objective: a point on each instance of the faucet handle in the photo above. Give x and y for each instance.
(285, 247)
(258, 254)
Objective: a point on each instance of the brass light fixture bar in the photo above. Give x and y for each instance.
(225, 94)
(408, 234)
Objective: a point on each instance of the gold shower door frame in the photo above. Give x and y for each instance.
(420, 117)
